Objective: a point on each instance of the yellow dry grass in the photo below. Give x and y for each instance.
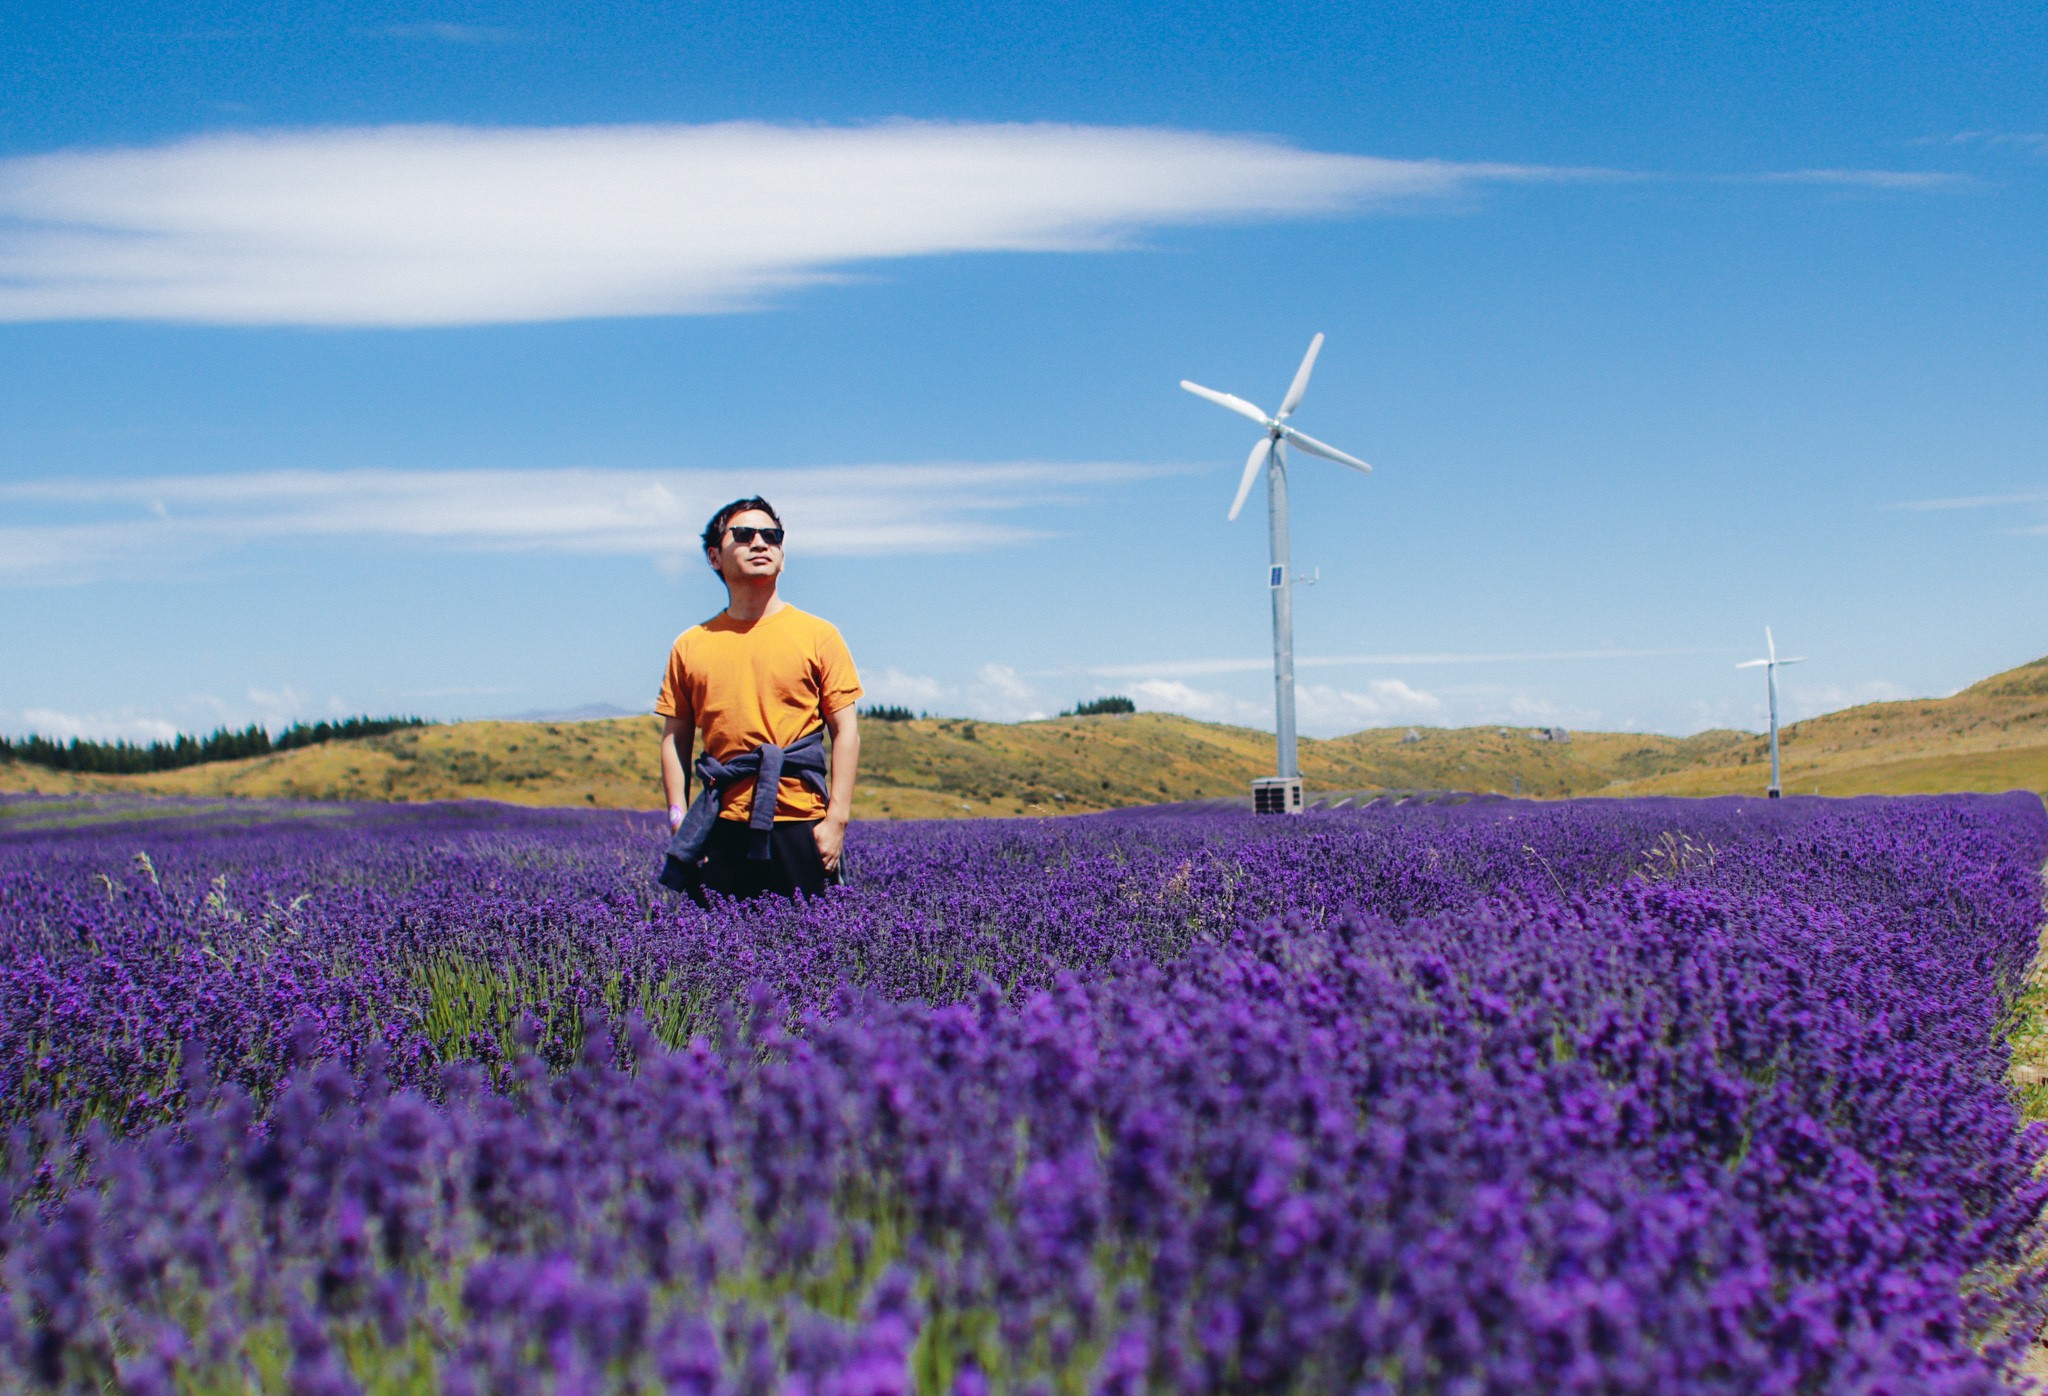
(931, 768)
(1993, 736)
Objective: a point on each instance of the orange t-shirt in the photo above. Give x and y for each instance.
(742, 683)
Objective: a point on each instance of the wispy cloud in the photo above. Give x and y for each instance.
(92, 524)
(1329, 707)
(1804, 700)
(470, 34)
(195, 713)
(489, 690)
(1000, 693)
(1865, 179)
(1186, 668)
(2035, 141)
(997, 693)
(443, 225)
(1206, 705)
(128, 725)
(448, 225)
(1328, 710)
(1974, 501)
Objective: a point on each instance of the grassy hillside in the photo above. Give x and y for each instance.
(923, 769)
(1993, 736)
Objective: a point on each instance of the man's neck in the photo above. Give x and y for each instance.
(751, 601)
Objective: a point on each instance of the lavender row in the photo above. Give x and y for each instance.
(433, 932)
(1642, 1097)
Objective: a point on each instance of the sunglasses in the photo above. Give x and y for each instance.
(743, 534)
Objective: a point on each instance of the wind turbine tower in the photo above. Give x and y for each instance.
(1280, 794)
(1769, 664)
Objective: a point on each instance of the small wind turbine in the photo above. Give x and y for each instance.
(1769, 664)
(1270, 455)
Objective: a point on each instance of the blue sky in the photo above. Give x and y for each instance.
(375, 357)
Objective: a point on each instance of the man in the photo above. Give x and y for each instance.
(763, 681)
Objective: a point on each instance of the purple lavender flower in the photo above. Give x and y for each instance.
(1486, 1097)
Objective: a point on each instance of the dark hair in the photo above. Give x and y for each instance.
(714, 532)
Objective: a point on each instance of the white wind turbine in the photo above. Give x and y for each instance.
(1769, 664)
(1270, 455)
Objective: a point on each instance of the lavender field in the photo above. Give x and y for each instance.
(1648, 1096)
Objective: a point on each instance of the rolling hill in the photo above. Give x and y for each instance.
(1991, 736)
(923, 769)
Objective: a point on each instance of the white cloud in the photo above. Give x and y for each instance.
(452, 225)
(193, 713)
(1797, 701)
(1803, 700)
(1327, 708)
(996, 693)
(2019, 500)
(829, 510)
(1976, 501)
(999, 693)
(446, 225)
(1172, 696)
(1197, 667)
(282, 706)
(1002, 692)
(467, 34)
(1481, 706)
(1865, 179)
(1184, 668)
(2036, 141)
(128, 725)
(891, 687)
(1320, 709)
(473, 691)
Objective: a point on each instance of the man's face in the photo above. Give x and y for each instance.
(758, 558)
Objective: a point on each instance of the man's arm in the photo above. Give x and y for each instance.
(831, 831)
(678, 739)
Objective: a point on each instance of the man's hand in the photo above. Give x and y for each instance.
(831, 831)
(678, 740)
(831, 837)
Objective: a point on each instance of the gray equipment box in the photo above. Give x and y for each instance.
(1276, 795)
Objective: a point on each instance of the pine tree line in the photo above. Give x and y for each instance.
(889, 712)
(134, 758)
(1101, 707)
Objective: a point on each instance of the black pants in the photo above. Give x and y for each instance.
(793, 863)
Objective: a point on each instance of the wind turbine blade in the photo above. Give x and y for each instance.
(1770, 645)
(1300, 384)
(1235, 404)
(1800, 660)
(1753, 663)
(1317, 448)
(1252, 468)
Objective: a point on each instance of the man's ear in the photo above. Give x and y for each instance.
(711, 556)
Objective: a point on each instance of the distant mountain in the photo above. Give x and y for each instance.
(589, 712)
(1992, 736)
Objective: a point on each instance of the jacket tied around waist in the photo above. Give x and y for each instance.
(767, 764)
